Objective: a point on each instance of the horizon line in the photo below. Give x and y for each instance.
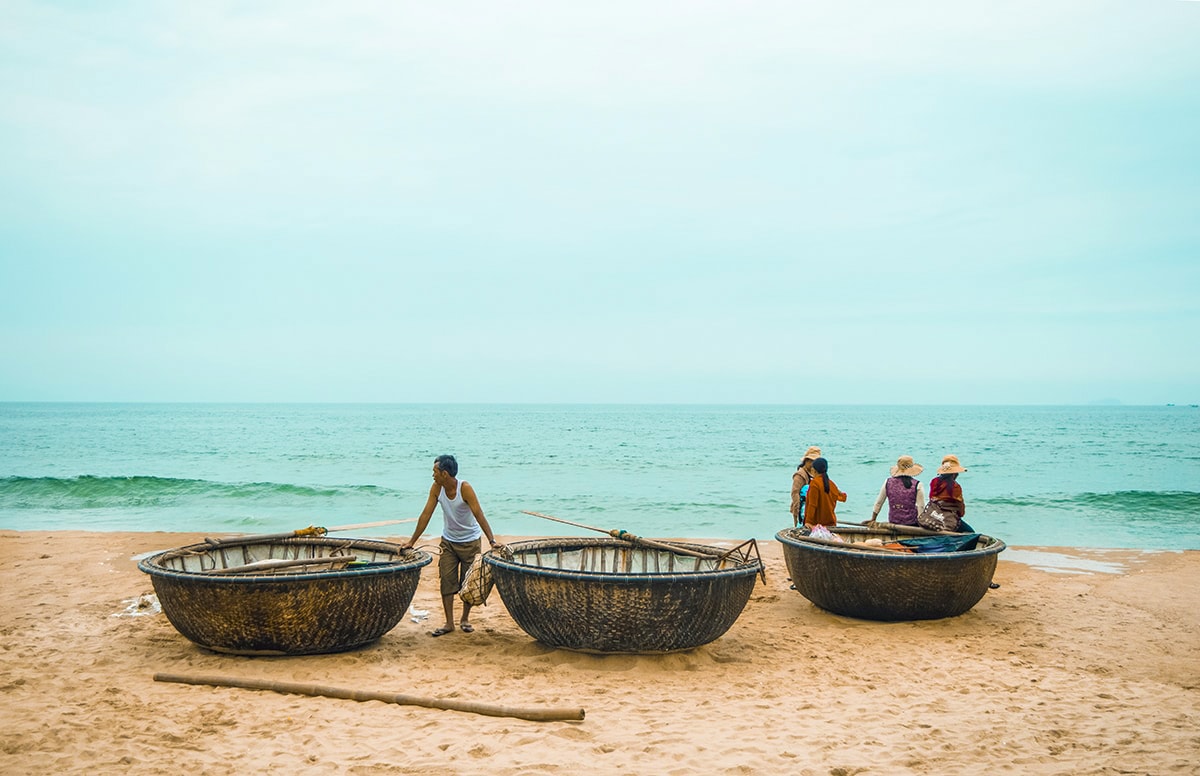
(1097, 403)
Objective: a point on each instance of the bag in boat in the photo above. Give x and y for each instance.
(821, 532)
(934, 517)
(477, 582)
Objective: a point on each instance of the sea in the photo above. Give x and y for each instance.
(1051, 476)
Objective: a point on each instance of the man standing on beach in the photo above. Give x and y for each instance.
(463, 523)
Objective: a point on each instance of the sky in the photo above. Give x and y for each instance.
(949, 202)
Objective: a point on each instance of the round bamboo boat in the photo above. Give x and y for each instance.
(295, 596)
(860, 581)
(610, 596)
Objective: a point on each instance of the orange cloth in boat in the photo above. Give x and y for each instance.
(819, 507)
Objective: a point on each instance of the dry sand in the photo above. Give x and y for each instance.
(1061, 670)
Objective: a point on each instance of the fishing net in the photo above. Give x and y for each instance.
(477, 583)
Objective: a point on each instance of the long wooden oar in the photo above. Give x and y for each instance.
(910, 530)
(271, 564)
(632, 538)
(489, 709)
(713, 554)
(856, 546)
(312, 530)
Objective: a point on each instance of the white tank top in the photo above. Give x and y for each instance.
(460, 523)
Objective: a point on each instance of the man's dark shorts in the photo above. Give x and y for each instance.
(453, 562)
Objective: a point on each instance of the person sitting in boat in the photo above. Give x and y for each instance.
(823, 496)
(800, 480)
(903, 493)
(947, 494)
(463, 522)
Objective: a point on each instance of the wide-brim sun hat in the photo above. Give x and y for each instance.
(812, 453)
(906, 467)
(950, 465)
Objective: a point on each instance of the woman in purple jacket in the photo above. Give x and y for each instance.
(904, 494)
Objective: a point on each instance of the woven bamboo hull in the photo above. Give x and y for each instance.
(295, 613)
(604, 596)
(888, 586)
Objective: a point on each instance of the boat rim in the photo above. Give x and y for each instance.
(749, 567)
(420, 559)
(994, 548)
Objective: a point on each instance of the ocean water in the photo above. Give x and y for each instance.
(1126, 477)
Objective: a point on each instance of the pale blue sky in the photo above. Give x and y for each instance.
(937, 202)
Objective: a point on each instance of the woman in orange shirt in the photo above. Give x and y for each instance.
(823, 496)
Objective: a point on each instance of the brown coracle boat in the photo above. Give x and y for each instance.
(858, 580)
(614, 596)
(292, 596)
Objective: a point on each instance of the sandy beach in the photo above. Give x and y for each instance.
(1082, 662)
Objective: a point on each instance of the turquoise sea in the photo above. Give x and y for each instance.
(1053, 476)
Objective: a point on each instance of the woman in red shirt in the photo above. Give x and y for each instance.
(947, 494)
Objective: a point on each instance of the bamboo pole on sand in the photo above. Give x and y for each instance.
(317, 690)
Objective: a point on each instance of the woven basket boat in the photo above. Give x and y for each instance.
(882, 585)
(608, 596)
(294, 596)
